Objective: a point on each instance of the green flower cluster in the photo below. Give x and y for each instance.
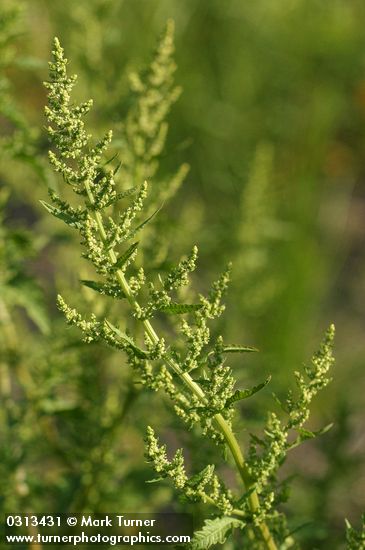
(204, 486)
(267, 454)
(187, 362)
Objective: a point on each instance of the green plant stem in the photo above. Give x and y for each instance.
(221, 423)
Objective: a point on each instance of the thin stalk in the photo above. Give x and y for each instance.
(221, 423)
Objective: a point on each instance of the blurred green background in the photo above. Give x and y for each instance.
(271, 121)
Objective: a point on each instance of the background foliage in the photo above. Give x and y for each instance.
(272, 123)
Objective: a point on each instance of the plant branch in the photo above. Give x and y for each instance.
(221, 423)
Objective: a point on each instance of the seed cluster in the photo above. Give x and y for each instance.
(188, 363)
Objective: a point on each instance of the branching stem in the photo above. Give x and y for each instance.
(221, 423)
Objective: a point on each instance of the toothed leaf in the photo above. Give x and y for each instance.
(120, 196)
(72, 221)
(108, 290)
(244, 394)
(197, 478)
(127, 340)
(122, 260)
(214, 531)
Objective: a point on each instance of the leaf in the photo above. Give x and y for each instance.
(123, 336)
(304, 435)
(180, 308)
(257, 440)
(111, 160)
(214, 531)
(98, 287)
(239, 349)
(105, 289)
(197, 478)
(117, 168)
(244, 394)
(294, 531)
(307, 434)
(145, 222)
(280, 403)
(120, 196)
(113, 157)
(245, 496)
(122, 260)
(155, 480)
(72, 221)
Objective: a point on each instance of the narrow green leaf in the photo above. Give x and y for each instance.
(257, 440)
(244, 394)
(145, 222)
(289, 538)
(155, 480)
(239, 349)
(122, 260)
(116, 169)
(280, 403)
(308, 434)
(197, 478)
(128, 192)
(304, 435)
(122, 195)
(70, 220)
(245, 496)
(98, 287)
(105, 289)
(180, 308)
(214, 531)
(123, 336)
(113, 157)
